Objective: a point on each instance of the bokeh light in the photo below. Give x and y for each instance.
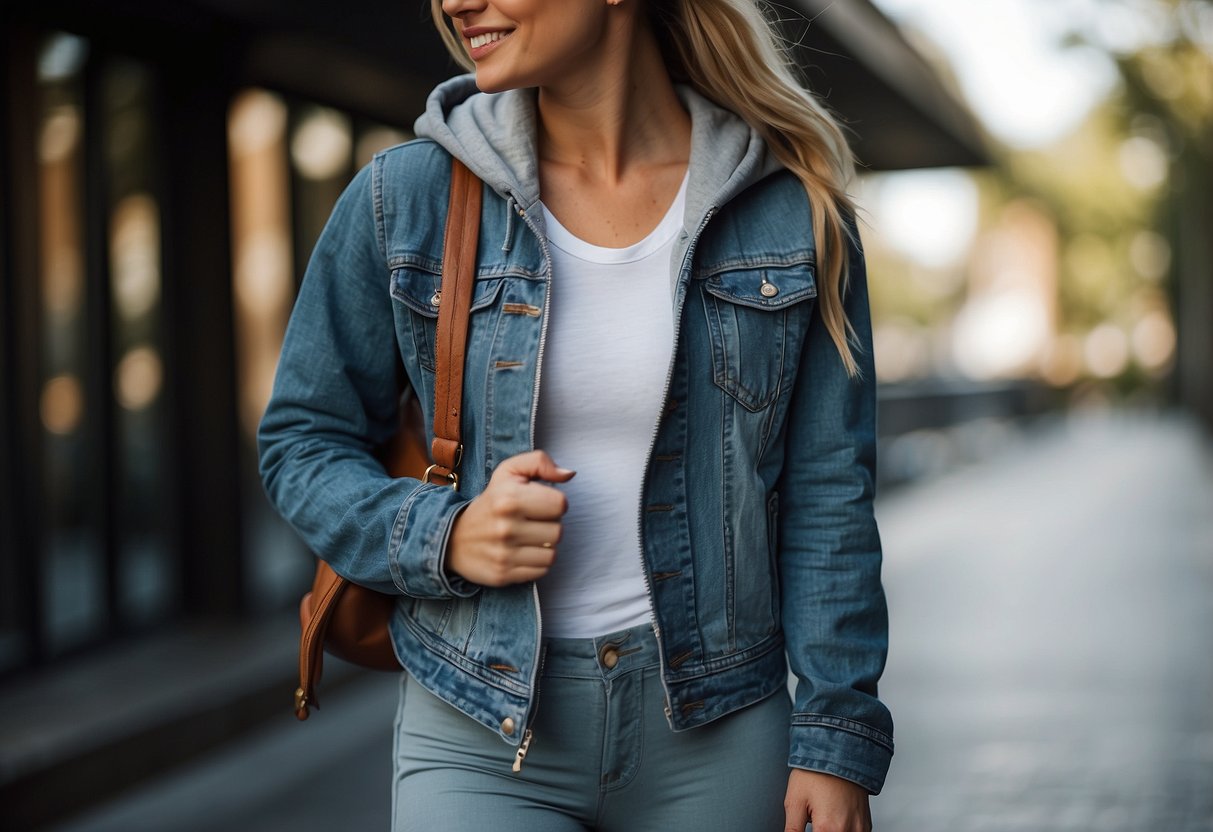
(62, 404)
(138, 378)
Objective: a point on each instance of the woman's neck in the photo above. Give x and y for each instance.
(619, 113)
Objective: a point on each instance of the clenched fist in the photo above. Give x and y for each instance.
(508, 534)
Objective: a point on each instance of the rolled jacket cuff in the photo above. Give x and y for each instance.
(417, 548)
(842, 747)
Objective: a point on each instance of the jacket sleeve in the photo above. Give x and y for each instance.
(834, 613)
(335, 398)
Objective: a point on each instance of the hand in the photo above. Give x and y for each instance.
(831, 803)
(508, 534)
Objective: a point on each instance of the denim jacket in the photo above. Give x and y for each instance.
(760, 547)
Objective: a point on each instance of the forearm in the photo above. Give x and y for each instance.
(383, 533)
(335, 399)
(835, 618)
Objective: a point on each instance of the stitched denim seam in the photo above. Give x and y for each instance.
(473, 668)
(864, 779)
(397, 538)
(761, 261)
(425, 263)
(428, 310)
(843, 724)
(377, 202)
(730, 662)
(775, 304)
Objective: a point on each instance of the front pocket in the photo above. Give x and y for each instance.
(421, 291)
(749, 313)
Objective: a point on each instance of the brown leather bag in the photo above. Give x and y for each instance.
(341, 617)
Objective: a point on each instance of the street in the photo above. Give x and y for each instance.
(1050, 665)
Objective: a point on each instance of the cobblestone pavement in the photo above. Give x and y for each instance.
(1051, 661)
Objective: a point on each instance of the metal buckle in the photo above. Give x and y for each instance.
(451, 478)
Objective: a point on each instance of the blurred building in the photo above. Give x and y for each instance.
(166, 170)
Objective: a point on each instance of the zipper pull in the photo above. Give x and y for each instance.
(523, 749)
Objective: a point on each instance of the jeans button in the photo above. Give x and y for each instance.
(609, 656)
(507, 726)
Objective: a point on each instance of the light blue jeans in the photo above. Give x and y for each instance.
(602, 755)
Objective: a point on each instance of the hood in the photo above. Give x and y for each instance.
(495, 136)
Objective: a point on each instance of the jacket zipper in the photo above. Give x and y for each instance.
(669, 377)
(529, 734)
(540, 653)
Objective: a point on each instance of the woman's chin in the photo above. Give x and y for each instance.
(486, 84)
(487, 81)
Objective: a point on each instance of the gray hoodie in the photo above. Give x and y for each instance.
(495, 135)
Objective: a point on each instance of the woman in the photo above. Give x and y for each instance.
(671, 301)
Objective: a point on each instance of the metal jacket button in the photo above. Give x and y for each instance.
(769, 290)
(507, 726)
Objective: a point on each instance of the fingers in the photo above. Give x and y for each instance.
(508, 534)
(494, 543)
(503, 565)
(533, 557)
(796, 803)
(514, 506)
(832, 803)
(543, 535)
(519, 497)
(533, 465)
(521, 575)
(527, 555)
(518, 485)
(796, 816)
(541, 502)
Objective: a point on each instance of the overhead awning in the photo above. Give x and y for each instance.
(899, 111)
(378, 58)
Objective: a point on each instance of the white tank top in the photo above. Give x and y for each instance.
(608, 349)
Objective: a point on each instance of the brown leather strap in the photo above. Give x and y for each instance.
(458, 276)
(454, 308)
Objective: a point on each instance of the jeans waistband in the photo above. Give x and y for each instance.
(602, 657)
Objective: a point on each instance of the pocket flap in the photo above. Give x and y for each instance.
(772, 287)
(418, 290)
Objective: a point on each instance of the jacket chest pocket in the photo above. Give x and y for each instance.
(755, 317)
(420, 291)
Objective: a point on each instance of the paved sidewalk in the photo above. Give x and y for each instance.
(1051, 664)
(331, 774)
(1051, 655)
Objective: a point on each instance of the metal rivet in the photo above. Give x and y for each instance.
(769, 290)
(507, 726)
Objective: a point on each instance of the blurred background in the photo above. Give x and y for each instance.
(1037, 197)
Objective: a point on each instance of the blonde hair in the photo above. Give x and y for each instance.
(730, 54)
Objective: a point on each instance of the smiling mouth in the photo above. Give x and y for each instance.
(487, 38)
